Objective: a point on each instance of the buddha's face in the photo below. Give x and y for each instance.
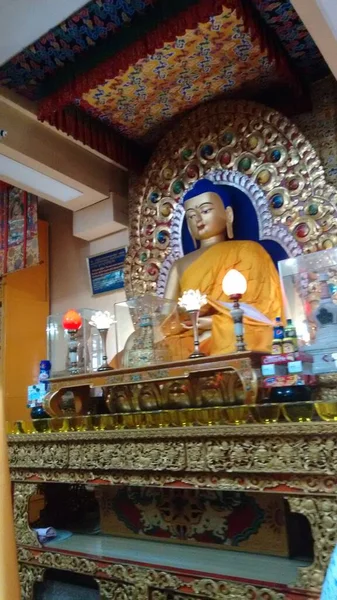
(206, 216)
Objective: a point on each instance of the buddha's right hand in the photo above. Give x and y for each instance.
(204, 324)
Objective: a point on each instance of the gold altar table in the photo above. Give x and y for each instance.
(295, 460)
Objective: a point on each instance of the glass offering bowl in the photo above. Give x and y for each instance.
(59, 424)
(299, 412)
(209, 416)
(104, 422)
(327, 410)
(266, 413)
(237, 415)
(19, 427)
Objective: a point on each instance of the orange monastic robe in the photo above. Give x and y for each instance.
(263, 293)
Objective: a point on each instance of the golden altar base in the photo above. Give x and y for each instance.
(295, 460)
(180, 384)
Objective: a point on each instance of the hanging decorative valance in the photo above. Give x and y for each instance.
(65, 107)
(19, 246)
(82, 127)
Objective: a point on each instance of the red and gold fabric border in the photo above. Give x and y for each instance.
(18, 229)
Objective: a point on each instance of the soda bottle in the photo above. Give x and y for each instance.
(291, 335)
(277, 337)
(278, 329)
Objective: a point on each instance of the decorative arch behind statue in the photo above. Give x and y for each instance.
(245, 147)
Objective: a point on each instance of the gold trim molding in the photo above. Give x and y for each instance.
(322, 516)
(292, 459)
(110, 590)
(29, 575)
(130, 582)
(304, 483)
(22, 495)
(274, 449)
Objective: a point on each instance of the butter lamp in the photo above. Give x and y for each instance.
(192, 301)
(234, 285)
(103, 321)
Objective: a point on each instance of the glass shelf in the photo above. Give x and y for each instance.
(208, 561)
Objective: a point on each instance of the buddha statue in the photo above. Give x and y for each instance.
(209, 220)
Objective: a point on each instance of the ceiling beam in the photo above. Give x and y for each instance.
(43, 149)
(30, 109)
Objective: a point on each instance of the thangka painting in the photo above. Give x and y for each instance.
(18, 229)
(209, 518)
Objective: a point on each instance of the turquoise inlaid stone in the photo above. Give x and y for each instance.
(227, 137)
(154, 197)
(207, 151)
(277, 201)
(162, 237)
(186, 153)
(275, 155)
(244, 164)
(313, 209)
(178, 187)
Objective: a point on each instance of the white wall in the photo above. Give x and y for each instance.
(69, 279)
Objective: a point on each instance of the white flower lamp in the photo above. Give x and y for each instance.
(234, 285)
(103, 321)
(192, 301)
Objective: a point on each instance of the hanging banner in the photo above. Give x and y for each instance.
(19, 246)
(106, 271)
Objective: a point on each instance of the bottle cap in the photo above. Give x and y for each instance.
(45, 365)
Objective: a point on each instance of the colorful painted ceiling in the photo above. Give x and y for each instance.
(203, 63)
(117, 72)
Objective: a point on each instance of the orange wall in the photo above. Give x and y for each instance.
(26, 307)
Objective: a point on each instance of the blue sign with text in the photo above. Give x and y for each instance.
(107, 271)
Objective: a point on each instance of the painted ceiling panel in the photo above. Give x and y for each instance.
(282, 18)
(64, 44)
(118, 71)
(22, 22)
(216, 58)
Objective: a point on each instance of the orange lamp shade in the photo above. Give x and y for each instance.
(72, 321)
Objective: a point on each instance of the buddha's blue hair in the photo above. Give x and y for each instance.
(204, 185)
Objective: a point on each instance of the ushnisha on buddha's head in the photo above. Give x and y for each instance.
(207, 215)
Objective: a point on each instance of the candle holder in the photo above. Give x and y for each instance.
(234, 286)
(194, 315)
(237, 316)
(192, 301)
(104, 335)
(72, 322)
(103, 321)
(73, 351)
